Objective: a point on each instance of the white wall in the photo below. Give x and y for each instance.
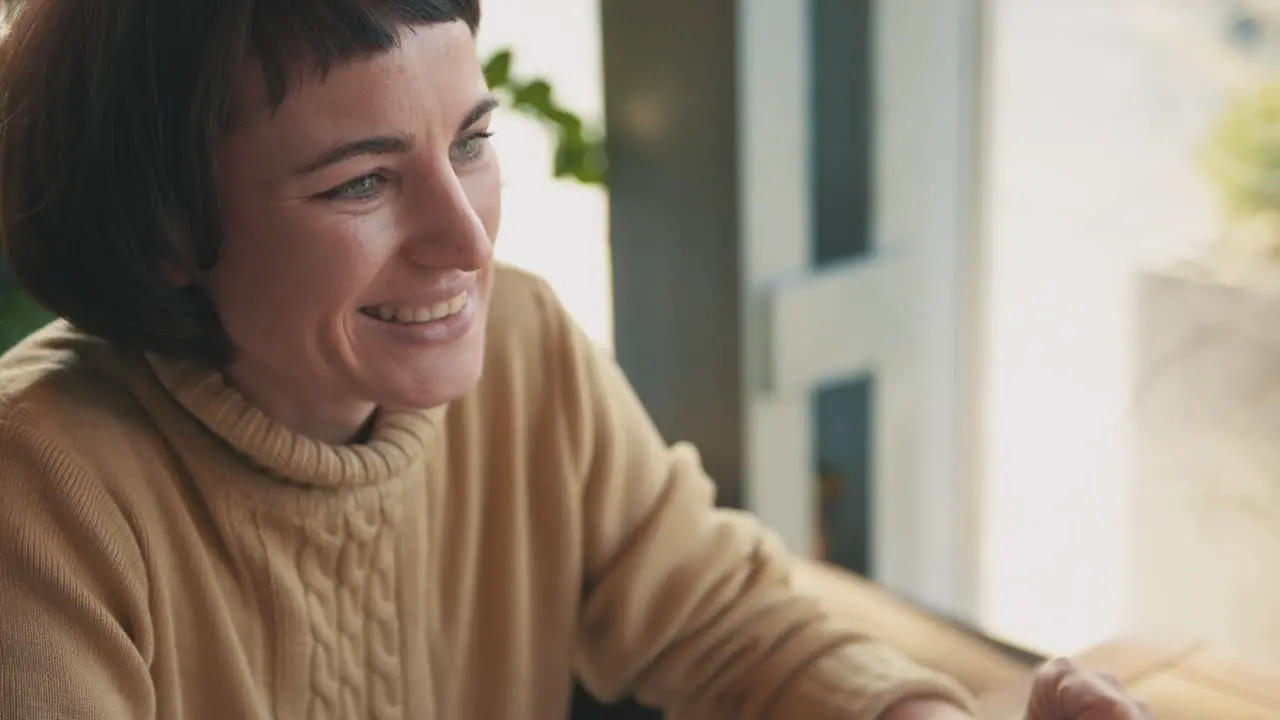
(558, 229)
(1093, 125)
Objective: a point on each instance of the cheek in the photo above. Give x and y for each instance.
(291, 276)
(484, 192)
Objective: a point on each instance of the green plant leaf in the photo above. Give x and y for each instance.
(1242, 153)
(595, 165)
(537, 95)
(567, 121)
(569, 156)
(497, 70)
(579, 153)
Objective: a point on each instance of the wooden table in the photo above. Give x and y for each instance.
(1181, 681)
(979, 663)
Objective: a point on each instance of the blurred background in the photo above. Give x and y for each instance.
(975, 298)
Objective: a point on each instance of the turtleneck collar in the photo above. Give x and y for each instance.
(398, 437)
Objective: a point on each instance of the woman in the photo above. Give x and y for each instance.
(300, 450)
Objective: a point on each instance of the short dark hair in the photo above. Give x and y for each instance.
(110, 112)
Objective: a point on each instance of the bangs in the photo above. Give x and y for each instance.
(287, 36)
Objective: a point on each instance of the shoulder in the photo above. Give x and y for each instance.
(528, 325)
(531, 356)
(523, 303)
(73, 552)
(541, 366)
(66, 403)
(59, 378)
(57, 410)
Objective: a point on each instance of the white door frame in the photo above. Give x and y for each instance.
(903, 314)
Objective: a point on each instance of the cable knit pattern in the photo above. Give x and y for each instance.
(345, 560)
(380, 618)
(347, 564)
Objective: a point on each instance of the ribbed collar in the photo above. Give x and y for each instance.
(398, 438)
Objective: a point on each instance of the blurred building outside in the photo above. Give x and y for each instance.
(1122, 483)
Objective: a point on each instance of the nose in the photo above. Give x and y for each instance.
(446, 227)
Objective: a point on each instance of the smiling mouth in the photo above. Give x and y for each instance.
(417, 315)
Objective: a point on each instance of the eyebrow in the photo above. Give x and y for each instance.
(389, 144)
(487, 104)
(375, 145)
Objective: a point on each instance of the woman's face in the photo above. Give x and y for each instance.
(360, 218)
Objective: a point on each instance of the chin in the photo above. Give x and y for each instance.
(438, 379)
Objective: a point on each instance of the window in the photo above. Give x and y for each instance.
(1128, 480)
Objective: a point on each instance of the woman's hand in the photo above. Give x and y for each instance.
(925, 709)
(1061, 691)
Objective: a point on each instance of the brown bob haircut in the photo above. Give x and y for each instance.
(110, 114)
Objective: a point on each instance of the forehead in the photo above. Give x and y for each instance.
(430, 77)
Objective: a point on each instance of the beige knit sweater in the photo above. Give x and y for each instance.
(167, 551)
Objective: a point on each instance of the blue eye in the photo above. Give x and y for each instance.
(470, 148)
(362, 188)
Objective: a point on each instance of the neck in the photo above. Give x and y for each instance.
(329, 420)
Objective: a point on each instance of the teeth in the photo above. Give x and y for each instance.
(458, 302)
(426, 313)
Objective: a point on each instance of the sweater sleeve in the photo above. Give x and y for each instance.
(74, 628)
(692, 608)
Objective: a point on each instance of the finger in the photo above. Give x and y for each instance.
(1045, 687)
(1110, 679)
(1061, 691)
(1052, 672)
(1088, 696)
